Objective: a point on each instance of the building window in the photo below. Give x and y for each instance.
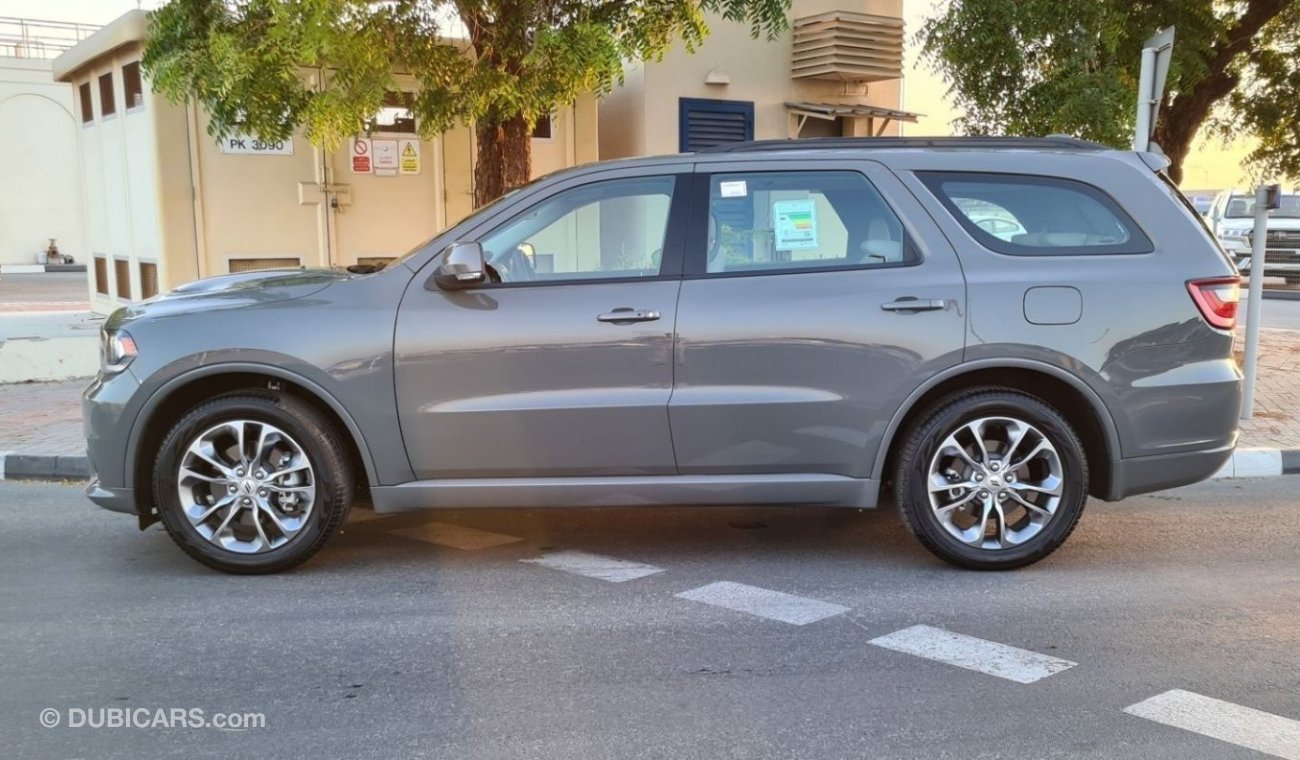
(395, 116)
(122, 278)
(107, 106)
(133, 86)
(250, 265)
(148, 279)
(87, 110)
(703, 123)
(101, 269)
(542, 129)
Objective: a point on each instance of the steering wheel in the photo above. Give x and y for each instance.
(514, 266)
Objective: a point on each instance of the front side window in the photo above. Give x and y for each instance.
(776, 221)
(1243, 207)
(604, 230)
(1035, 215)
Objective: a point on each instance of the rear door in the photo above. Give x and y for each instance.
(817, 297)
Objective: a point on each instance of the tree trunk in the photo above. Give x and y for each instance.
(1180, 122)
(504, 158)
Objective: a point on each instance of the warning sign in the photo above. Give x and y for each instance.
(384, 153)
(410, 156)
(360, 155)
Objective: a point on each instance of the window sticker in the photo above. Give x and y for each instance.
(733, 188)
(794, 224)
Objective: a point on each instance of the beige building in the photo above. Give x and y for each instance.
(167, 204)
(838, 71)
(40, 175)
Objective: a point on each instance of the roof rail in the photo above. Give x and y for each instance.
(1051, 142)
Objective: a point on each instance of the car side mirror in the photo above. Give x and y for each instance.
(462, 267)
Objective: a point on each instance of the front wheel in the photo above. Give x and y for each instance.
(991, 479)
(252, 482)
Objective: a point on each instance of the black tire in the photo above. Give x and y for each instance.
(923, 440)
(319, 441)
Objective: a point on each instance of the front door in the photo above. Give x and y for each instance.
(564, 366)
(817, 296)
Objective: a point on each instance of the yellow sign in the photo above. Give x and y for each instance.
(409, 155)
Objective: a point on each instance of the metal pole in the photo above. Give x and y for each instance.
(1255, 304)
(1146, 81)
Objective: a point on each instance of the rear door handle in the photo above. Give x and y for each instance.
(629, 315)
(915, 304)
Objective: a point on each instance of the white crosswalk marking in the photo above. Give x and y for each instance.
(456, 536)
(773, 605)
(1235, 724)
(595, 566)
(1019, 665)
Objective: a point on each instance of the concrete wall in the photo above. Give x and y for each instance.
(641, 116)
(161, 191)
(40, 185)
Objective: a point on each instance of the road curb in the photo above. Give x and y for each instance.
(1260, 463)
(14, 466)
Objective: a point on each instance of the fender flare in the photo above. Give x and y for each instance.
(1109, 430)
(166, 389)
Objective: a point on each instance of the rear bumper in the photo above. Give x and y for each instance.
(1139, 475)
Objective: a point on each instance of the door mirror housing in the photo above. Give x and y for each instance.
(462, 267)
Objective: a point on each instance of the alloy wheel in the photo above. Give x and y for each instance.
(246, 486)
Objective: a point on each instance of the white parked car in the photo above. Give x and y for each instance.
(1232, 219)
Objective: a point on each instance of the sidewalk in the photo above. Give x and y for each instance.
(40, 423)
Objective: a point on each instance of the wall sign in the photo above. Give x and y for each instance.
(385, 157)
(409, 155)
(244, 145)
(361, 155)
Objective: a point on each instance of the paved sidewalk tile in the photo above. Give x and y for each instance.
(42, 419)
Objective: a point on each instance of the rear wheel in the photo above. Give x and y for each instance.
(252, 482)
(991, 479)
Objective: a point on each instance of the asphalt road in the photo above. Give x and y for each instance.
(390, 646)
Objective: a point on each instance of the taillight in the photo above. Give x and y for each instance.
(1217, 298)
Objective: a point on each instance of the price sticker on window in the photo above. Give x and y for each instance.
(733, 189)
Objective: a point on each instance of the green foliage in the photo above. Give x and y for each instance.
(1048, 66)
(266, 67)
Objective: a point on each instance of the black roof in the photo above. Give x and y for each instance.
(1051, 142)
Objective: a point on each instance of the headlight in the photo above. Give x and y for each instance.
(116, 350)
(1233, 234)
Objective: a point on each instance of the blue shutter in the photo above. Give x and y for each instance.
(705, 123)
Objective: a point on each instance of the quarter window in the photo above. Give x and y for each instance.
(605, 230)
(779, 221)
(1036, 216)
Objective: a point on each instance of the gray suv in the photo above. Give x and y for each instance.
(984, 331)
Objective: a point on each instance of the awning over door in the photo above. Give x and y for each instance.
(877, 118)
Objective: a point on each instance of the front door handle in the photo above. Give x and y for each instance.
(626, 314)
(915, 304)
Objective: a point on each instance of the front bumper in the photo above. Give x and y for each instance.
(107, 425)
(113, 499)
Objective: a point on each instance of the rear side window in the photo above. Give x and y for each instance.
(781, 221)
(1028, 215)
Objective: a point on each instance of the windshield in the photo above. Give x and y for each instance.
(1243, 207)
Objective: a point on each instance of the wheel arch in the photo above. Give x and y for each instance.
(1070, 395)
(184, 391)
